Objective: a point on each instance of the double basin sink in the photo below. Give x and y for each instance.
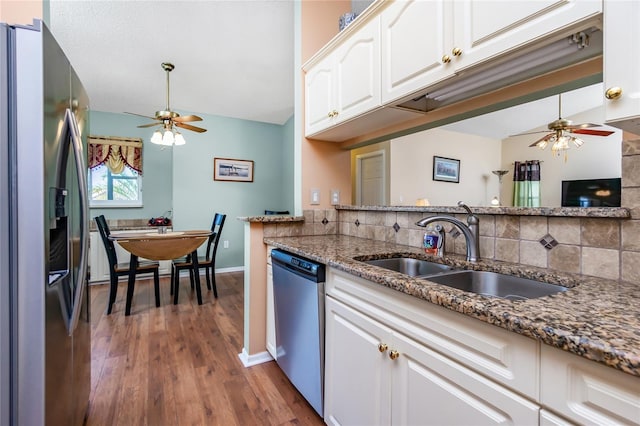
(491, 284)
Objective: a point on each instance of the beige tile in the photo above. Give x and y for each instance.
(507, 250)
(415, 238)
(375, 218)
(362, 217)
(343, 228)
(296, 229)
(308, 215)
(402, 236)
(533, 227)
(565, 230)
(487, 246)
(270, 230)
(631, 235)
(353, 230)
(390, 218)
(331, 215)
(600, 262)
(380, 233)
(565, 258)
(533, 253)
(600, 232)
(631, 200)
(508, 227)
(403, 219)
(487, 225)
(631, 147)
(318, 229)
(283, 230)
(389, 234)
(630, 270)
(631, 171)
(460, 246)
(330, 228)
(318, 215)
(414, 217)
(308, 228)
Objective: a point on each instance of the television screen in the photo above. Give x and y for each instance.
(591, 193)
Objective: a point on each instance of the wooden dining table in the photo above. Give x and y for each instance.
(154, 245)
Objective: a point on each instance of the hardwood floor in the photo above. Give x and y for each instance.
(179, 365)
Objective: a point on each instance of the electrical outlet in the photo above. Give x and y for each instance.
(335, 197)
(315, 196)
(225, 244)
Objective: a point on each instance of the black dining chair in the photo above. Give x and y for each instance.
(122, 269)
(208, 262)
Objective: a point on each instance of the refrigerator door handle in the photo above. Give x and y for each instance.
(76, 143)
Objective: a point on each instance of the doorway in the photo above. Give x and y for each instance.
(371, 179)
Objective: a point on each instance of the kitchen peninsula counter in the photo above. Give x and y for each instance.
(597, 319)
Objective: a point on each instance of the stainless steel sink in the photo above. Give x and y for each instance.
(410, 266)
(496, 285)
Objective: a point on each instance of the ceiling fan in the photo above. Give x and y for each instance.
(168, 119)
(561, 133)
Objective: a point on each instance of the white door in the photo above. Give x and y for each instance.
(371, 179)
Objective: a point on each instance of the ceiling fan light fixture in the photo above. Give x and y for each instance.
(577, 142)
(542, 144)
(167, 138)
(157, 137)
(179, 139)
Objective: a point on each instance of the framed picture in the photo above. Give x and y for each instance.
(232, 170)
(446, 169)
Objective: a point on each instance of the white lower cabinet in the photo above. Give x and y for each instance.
(393, 359)
(99, 262)
(377, 373)
(378, 376)
(588, 393)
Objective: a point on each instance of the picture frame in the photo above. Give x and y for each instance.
(230, 169)
(446, 169)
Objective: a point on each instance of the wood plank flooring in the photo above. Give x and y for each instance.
(179, 365)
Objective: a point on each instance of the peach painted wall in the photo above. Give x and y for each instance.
(20, 12)
(325, 165)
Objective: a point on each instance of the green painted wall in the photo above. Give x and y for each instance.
(288, 169)
(156, 166)
(196, 196)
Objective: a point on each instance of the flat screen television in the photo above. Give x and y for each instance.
(591, 193)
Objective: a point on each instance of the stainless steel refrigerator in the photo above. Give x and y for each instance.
(45, 353)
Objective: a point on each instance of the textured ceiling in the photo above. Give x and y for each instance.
(232, 58)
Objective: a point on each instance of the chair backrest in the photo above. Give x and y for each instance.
(216, 229)
(108, 244)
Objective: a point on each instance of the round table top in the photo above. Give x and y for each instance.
(157, 246)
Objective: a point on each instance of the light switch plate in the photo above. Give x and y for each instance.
(315, 196)
(335, 197)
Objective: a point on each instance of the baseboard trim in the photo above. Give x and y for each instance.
(255, 359)
(150, 275)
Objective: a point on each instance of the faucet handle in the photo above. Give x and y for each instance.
(464, 206)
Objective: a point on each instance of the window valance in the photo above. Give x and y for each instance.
(115, 152)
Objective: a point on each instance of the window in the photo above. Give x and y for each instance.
(115, 172)
(116, 190)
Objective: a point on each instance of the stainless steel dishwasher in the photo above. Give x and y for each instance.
(298, 293)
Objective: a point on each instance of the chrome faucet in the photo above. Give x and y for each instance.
(471, 230)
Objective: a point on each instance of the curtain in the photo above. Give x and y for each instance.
(526, 184)
(116, 153)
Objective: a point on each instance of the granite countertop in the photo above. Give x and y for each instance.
(610, 212)
(598, 319)
(271, 218)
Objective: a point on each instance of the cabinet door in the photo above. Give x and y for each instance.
(486, 28)
(414, 39)
(622, 60)
(357, 70)
(319, 96)
(430, 389)
(356, 372)
(586, 392)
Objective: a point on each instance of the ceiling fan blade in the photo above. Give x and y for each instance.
(544, 138)
(592, 132)
(140, 115)
(583, 126)
(149, 125)
(190, 127)
(529, 133)
(185, 118)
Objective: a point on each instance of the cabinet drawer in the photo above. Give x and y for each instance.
(587, 392)
(506, 357)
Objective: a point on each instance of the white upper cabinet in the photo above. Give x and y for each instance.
(415, 38)
(484, 29)
(622, 64)
(347, 82)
